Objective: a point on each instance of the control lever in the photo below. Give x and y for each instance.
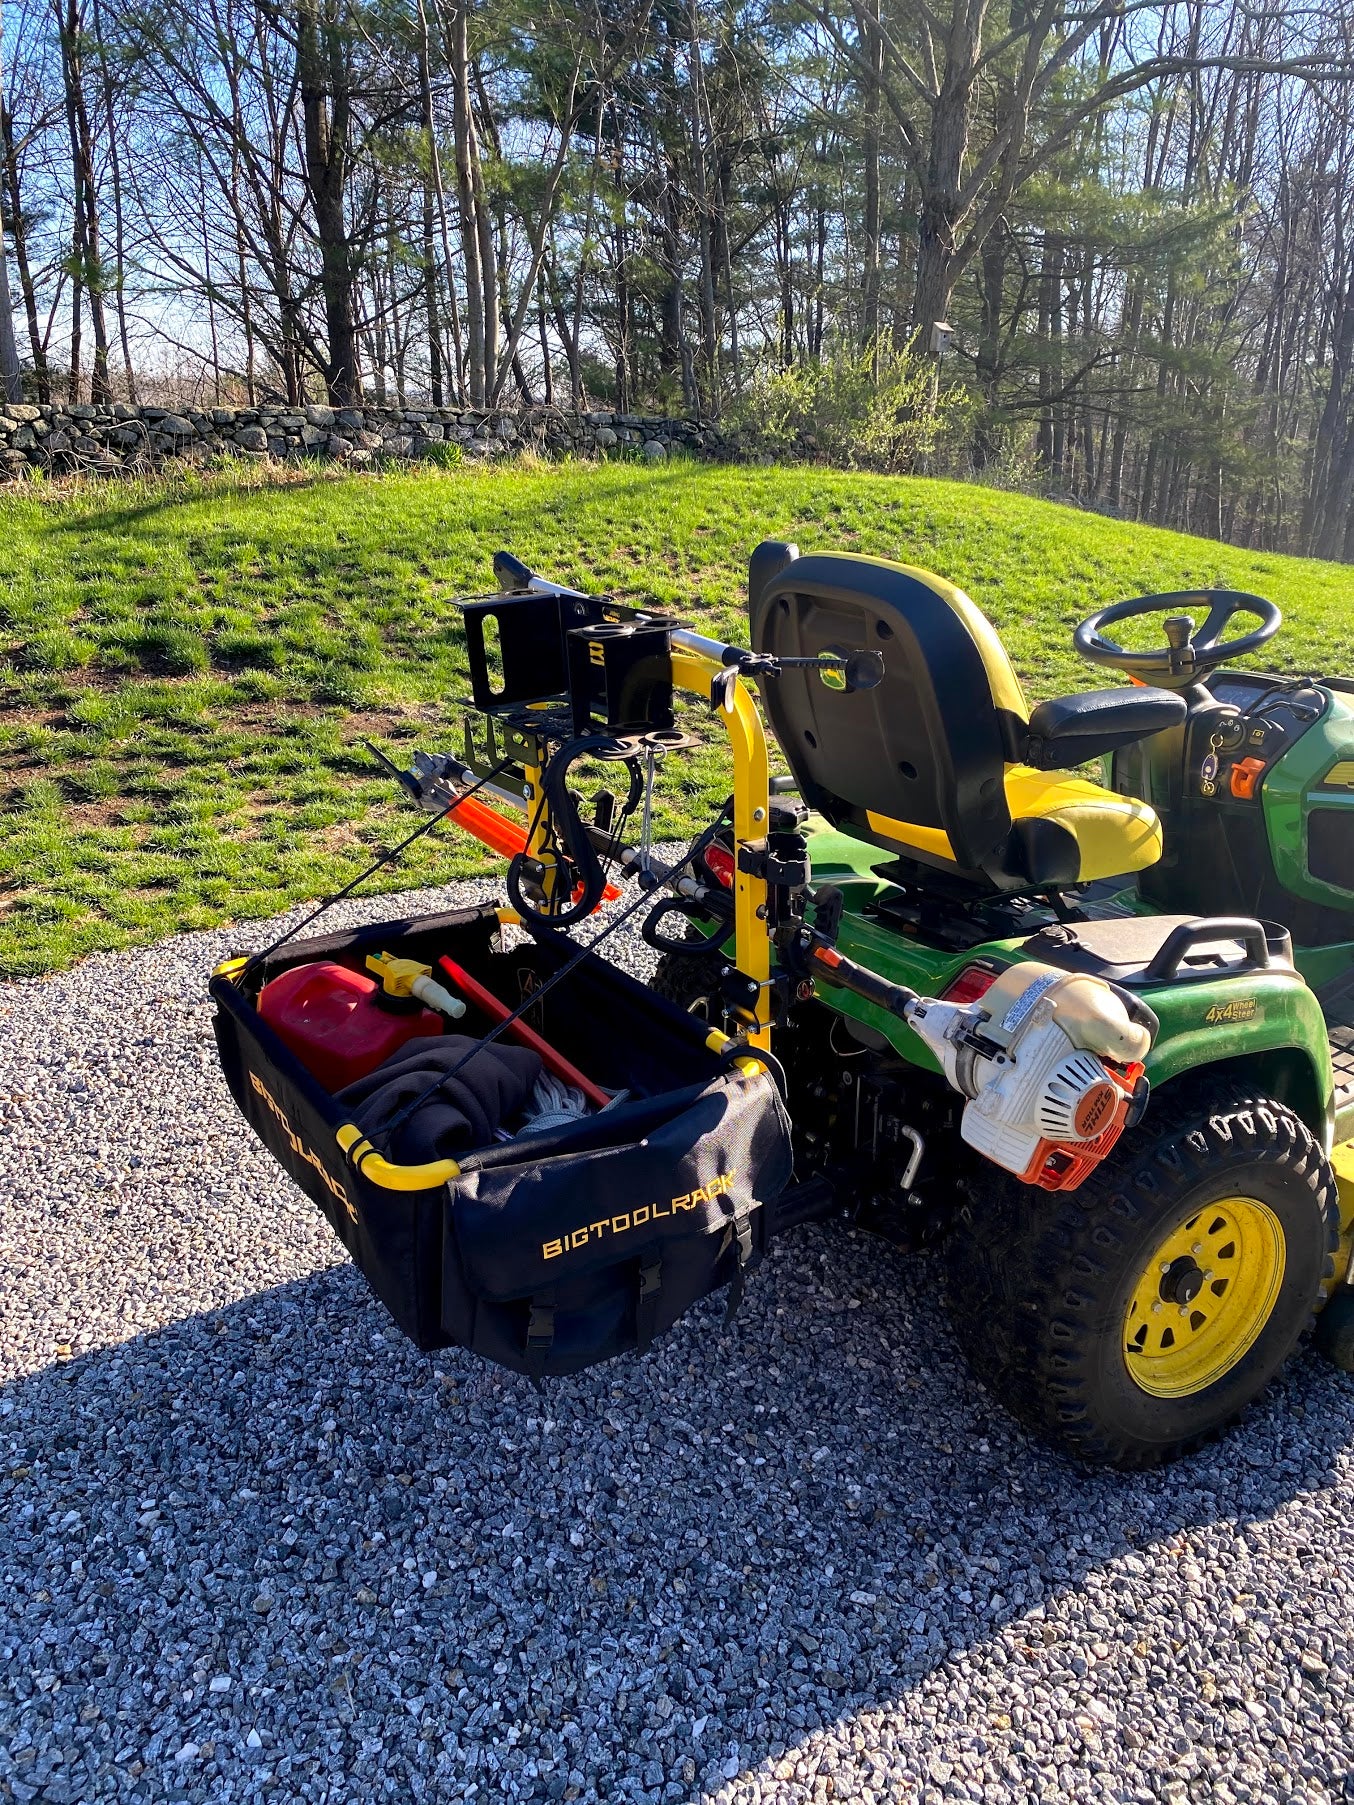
(858, 671)
(1179, 631)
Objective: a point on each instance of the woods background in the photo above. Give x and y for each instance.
(1137, 220)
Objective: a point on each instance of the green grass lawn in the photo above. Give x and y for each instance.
(188, 668)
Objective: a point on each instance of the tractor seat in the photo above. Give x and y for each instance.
(942, 763)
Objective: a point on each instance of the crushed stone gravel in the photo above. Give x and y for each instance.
(253, 1546)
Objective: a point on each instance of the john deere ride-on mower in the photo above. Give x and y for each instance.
(1090, 1040)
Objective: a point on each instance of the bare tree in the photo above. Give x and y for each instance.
(11, 385)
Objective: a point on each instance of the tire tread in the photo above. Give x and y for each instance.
(1024, 1283)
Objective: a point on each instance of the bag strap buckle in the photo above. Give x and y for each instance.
(739, 1234)
(540, 1337)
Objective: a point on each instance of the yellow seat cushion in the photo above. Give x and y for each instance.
(1114, 834)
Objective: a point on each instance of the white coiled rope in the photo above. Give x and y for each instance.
(554, 1104)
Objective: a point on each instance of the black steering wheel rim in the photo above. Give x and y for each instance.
(1177, 666)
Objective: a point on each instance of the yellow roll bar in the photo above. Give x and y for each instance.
(693, 669)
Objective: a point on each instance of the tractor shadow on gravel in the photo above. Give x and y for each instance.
(651, 1578)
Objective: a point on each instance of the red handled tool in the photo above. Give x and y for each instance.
(485, 1001)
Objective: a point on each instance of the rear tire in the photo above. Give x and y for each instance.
(1071, 1318)
(691, 980)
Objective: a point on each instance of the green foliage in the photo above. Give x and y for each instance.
(174, 651)
(137, 801)
(240, 648)
(58, 649)
(446, 456)
(870, 410)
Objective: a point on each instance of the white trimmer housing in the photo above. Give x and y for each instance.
(1050, 1064)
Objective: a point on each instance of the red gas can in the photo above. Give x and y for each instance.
(338, 1022)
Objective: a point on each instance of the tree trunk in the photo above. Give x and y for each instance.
(726, 266)
(870, 247)
(11, 388)
(1131, 328)
(986, 441)
(1326, 527)
(323, 79)
(619, 243)
(819, 279)
(543, 330)
(785, 271)
(463, 133)
(565, 326)
(434, 324)
(709, 345)
(13, 206)
(488, 254)
(624, 309)
(119, 213)
(86, 209)
(942, 177)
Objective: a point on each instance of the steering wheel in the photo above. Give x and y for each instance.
(1188, 653)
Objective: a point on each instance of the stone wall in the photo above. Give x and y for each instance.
(107, 441)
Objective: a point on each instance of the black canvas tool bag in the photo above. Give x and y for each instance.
(551, 1251)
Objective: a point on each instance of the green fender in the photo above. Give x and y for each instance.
(1267, 1028)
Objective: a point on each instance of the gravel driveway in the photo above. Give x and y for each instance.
(252, 1545)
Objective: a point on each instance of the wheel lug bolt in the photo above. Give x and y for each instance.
(1197, 1248)
(1208, 1275)
(1165, 1266)
(1184, 1309)
(1157, 1307)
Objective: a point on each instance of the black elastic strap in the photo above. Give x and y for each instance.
(646, 1306)
(582, 857)
(387, 857)
(693, 912)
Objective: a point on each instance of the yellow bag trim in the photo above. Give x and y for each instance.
(378, 1170)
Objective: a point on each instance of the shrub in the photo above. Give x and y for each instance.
(860, 410)
(442, 455)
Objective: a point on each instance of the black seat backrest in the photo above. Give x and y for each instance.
(929, 745)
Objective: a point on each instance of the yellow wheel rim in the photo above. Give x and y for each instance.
(1204, 1297)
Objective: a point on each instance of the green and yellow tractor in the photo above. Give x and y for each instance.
(1090, 1039)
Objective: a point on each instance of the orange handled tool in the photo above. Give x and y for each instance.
(498, 833)
(488, 1004)
(494, 830)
